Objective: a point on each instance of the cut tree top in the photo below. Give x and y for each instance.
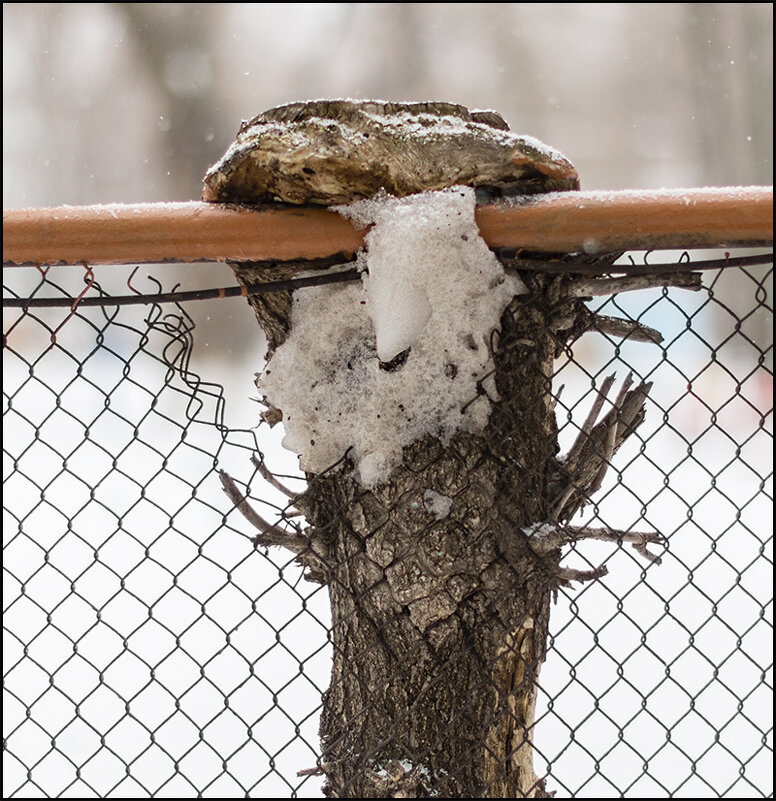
(329, 152)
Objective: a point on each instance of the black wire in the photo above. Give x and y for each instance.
(354, 275)
(177, 297)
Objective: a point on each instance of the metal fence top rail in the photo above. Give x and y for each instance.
(559, 222)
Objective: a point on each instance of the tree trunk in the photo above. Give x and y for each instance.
(440, 577)
(440, 620)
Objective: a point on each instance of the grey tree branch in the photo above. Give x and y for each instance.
(611, 436)
(544, 537)
(268, 534)
(310, 553)
(568, 574)
(270, 478)
(584, 433)
(623, 329)
(582, 471)
(590, 287)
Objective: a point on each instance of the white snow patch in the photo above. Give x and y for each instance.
(407, 767)
(432, 287)
(539, 530)
(437, 504)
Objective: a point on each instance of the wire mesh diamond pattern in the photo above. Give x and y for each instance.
(151, 649)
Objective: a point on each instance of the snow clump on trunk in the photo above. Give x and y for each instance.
(370, 367)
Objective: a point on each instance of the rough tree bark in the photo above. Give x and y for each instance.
(440, 625)
(440, 622)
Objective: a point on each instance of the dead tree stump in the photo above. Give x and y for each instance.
(441, 575)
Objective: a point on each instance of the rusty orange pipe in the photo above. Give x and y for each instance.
(562, 223)
(633, 220)
(156, 232)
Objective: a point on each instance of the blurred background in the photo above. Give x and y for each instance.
(107, 102)
(130, 102)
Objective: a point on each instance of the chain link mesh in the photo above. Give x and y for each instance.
(151, 649)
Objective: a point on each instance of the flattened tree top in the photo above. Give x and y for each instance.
(328, 152)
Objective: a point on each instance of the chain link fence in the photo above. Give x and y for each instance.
(152, 649)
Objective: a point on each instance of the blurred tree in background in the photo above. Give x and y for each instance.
(128, 102)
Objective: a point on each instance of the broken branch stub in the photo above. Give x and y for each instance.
(440, 588)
